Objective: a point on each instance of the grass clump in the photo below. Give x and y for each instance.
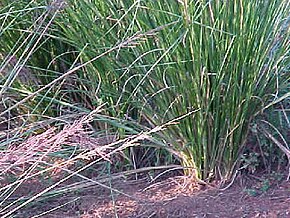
(176, 81)
(193, 74)
(222, 60)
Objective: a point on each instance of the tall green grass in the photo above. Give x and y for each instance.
(219, 63)
(221, 58)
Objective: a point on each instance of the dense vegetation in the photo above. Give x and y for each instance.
(166, 82)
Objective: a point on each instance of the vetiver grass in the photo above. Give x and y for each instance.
(215, 64)
(223, 59)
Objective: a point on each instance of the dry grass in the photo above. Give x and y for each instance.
(37, 150)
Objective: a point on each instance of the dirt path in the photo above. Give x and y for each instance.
(173, 197)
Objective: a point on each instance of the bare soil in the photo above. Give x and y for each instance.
(172, 197)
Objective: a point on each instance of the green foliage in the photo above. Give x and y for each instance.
(221, 58)
(217, 62)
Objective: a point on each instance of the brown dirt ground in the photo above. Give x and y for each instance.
(172, 197)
